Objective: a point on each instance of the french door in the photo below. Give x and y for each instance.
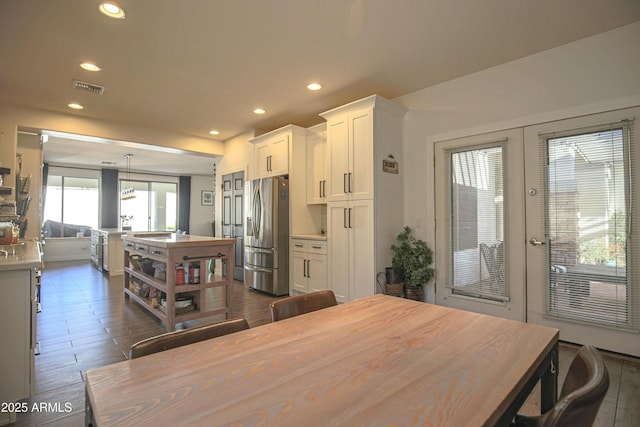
(539, 224)
(582, 221)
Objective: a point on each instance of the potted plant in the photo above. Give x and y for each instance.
(412, 259)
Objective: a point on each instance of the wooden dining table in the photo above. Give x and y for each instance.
(376, 361)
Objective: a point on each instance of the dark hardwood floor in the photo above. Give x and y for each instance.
(86, 322)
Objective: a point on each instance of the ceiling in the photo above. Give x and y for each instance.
(190, 67)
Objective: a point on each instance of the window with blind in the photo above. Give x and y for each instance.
(589, 197)
(478, 243)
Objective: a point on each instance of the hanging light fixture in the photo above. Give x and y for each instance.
(129, 192)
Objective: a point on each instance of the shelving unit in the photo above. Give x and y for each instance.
(211, 295)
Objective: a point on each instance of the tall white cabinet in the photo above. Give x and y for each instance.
(364, 200)
(317, 164)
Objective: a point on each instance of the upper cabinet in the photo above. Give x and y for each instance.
(271, 154)
(357, 135)
(316, 164)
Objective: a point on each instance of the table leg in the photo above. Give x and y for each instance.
(549, 382)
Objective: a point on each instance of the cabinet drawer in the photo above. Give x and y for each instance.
(143, 249)
(157, 251)
(317, 246)
(298, 245)
(308, 245)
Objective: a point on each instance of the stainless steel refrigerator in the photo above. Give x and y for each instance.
(266, 261)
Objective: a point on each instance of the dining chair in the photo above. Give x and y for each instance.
(583, 390)
(301, 304)
(186, 336)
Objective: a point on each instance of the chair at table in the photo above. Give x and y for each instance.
(301, 304)
(187, 336)
(582, 393)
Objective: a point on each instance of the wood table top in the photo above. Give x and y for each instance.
(379, 360)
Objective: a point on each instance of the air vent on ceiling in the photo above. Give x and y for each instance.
(88, 87)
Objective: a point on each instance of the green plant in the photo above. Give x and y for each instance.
(412, 258)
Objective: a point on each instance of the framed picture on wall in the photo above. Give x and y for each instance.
(207, 198)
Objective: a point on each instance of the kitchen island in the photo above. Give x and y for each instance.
(170, 276)
(18, 266)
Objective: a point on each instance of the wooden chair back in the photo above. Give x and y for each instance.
(186, 336)
(301, 304)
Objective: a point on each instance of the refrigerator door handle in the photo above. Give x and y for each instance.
(257, 211)
(261, 251)
(258, 269)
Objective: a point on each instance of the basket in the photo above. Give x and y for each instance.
(394, 289)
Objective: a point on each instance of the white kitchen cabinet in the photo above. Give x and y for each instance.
(308, 265)
(18, 279)
(364, 199)
(113, 253)
(317, 165)
(271, 155)
(351, 249)
(350, 155)
(287, 147)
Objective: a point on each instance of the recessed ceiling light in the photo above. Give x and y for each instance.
(112, 10)
(314, 86)
(214, 132)
(259, 111)
(90, 66)
(76, 106)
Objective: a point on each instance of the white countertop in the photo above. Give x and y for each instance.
(310, 236)
(26, 254)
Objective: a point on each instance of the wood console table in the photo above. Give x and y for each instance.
(211, 293)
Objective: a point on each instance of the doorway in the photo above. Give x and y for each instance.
(536, 224)
(232, 217)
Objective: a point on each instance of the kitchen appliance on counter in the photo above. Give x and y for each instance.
(266, 261)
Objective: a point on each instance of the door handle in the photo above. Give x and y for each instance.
(350, 182)
(308, 267)
(344, 217)
(344, 183)
(534, 242)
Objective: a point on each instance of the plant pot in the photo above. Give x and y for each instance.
(415, 293)
(393, 289)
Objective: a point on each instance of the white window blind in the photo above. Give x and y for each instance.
(477, 223)
(589, 198)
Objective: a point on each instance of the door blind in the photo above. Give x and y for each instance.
(590, 196)
(477, 221)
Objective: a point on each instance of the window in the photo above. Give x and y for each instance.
(154, 207)
(71, 206)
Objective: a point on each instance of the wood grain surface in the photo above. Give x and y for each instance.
(375, 361)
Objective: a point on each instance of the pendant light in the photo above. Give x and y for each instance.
(128, 193)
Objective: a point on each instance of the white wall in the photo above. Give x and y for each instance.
(238, 157)
(596, 74)
(201, 216)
